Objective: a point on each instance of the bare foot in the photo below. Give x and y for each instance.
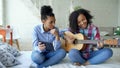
(86, 63)
(77, 64)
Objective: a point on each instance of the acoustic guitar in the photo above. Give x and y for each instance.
(78, 41)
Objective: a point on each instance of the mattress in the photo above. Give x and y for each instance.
(26, 62)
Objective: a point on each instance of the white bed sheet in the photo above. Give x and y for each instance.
(25, 60)
(113, 62)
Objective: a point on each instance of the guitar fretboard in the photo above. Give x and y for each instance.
(95, 42)
(88, 41)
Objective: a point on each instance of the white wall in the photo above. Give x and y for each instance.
(61, 10)
(119, 14)
(105, 13)
(1, 12)
(18, 15)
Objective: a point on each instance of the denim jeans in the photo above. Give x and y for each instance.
(96, 57)
(46, 59)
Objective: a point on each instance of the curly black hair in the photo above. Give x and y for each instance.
(46, 10)
(73, 25)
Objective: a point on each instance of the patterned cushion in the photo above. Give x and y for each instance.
(10, 49)
(8, 59)
(1, 65)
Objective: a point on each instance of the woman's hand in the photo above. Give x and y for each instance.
(55, 32)
(41, 46)
(100, 44)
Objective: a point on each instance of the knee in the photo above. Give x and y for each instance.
(73, 52)
(37, 57)
(62, 52)
(108, 51)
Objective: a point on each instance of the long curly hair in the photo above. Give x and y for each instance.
(73, 23)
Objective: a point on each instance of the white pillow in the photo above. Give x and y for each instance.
(15, 52)
(1, 65)
(8, 59)
(103, 33)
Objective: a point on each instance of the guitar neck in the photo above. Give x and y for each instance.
(80, 39)
(88, 41)
(108, 42)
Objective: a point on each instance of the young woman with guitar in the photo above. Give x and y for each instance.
(80, 22)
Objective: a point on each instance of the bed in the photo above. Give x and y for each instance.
(113, 62)
(26, 62)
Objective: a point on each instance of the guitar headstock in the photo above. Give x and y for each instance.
(118, 42)
(112, 42)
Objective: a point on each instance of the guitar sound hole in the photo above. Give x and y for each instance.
(75, 41)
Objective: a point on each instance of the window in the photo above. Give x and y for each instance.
(1, 12)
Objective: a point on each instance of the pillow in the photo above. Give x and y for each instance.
(8, 59)
(1, 65)
(15, 52)
(104, 33)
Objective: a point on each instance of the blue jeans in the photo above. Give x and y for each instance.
(46, 59)
(95, 57)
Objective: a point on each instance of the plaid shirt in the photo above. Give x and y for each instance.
(92, 33)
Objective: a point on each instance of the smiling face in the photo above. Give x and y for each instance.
(82, 21)
(49, 23)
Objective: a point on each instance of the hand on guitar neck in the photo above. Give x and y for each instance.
(70, 43)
